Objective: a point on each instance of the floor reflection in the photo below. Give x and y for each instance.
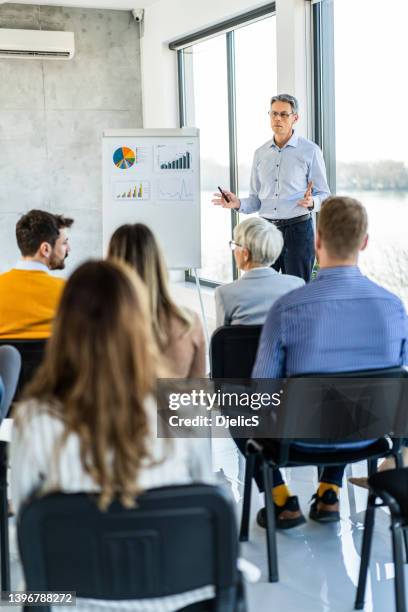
(318, 564)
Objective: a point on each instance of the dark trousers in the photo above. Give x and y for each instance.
(331, 475)
(298, 253)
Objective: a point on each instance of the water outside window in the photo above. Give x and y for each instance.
(371, 134)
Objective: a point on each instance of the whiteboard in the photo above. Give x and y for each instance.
(152, 176)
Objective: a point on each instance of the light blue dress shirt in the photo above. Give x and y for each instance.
(340, 322)
(279, 179)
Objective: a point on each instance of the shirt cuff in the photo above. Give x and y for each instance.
(249, 205)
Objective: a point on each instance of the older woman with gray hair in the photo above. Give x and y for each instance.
(256, 246)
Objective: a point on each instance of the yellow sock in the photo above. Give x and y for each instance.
(280, 494)
(326, 486)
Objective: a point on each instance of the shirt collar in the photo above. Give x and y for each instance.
(292, 142)
(253, 270)
(30, 265)
(339, 271)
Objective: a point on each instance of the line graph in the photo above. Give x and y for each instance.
(175, 189)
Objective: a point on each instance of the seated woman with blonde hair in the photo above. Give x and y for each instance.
(256, 246)
(178, 331)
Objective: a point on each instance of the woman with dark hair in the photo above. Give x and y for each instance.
(178, 331)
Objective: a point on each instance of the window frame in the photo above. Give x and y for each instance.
(227, 28)
(324, 119)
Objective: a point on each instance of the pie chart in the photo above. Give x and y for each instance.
(124, 158)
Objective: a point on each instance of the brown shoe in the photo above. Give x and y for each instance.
(325, 509)
(361, 481)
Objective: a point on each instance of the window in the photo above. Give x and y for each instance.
(256, 82)
(370, 155)
(227, 84)
(207, 104)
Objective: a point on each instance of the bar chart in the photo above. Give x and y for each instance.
(131, 190)
(172, 158)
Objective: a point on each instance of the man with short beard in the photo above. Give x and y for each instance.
(29, 295)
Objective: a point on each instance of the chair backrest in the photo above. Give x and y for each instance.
(32, 352)
(177, 539)
(344, 406)
(233, 350)
(10, 366)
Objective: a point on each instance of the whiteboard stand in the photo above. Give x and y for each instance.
(207, 335)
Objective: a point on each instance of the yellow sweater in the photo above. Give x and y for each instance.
(28, 301)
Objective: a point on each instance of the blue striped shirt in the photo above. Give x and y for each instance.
(341, 321)
(279, 179)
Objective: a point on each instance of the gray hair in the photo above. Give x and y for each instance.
(262, 239)
(287, 98)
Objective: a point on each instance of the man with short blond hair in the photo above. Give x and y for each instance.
(29, 295)
(340, 322)
(343, 226)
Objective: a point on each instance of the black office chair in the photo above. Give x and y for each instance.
(177, 539)
(233, 351)
(391, 487)
(32, 353)
(335, 419)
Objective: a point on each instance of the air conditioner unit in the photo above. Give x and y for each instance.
(36, 44)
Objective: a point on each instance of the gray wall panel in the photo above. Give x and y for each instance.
(52, 115)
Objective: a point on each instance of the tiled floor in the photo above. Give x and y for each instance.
(318, 564)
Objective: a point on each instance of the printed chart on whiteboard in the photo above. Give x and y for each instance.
(153, 177)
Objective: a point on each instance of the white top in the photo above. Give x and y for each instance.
(36, 466)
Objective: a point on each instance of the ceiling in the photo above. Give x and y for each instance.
(97, 4)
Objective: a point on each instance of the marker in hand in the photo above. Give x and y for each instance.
(223, 194)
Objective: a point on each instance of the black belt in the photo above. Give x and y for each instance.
(292, 221)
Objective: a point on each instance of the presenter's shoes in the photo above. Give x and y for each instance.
(325, 509)
(286, 517)
(359, 482)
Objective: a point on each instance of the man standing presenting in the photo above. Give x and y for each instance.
(288, 181)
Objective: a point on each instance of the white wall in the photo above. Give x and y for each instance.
(166, 21)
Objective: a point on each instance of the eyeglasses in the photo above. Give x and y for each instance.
(285, 116)
(233, 245)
